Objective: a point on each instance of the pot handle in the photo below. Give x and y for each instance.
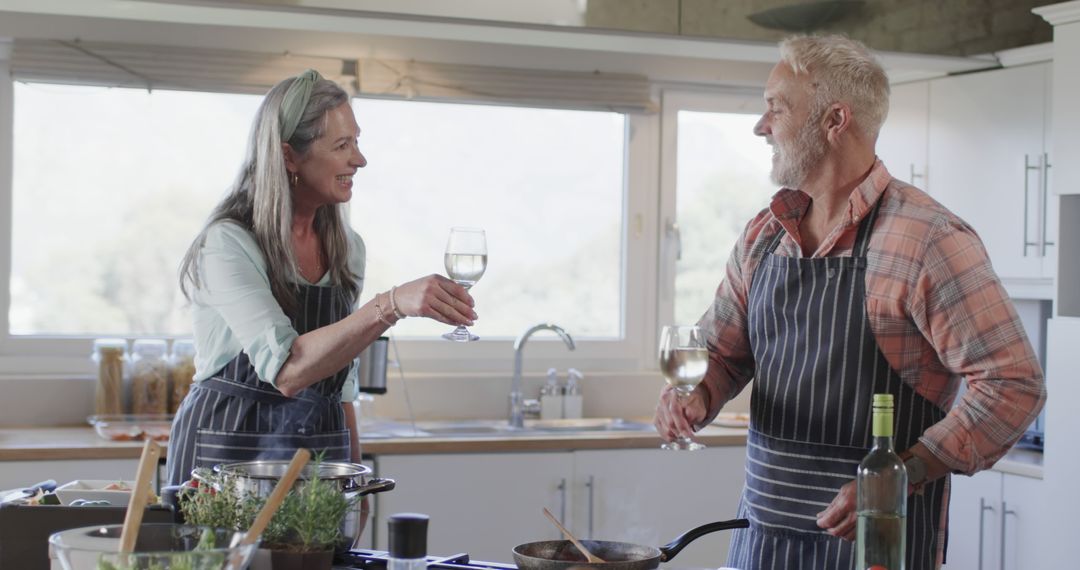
(668, 551)
(376, 485)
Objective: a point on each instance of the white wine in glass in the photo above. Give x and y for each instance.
(465, 261)
(683, 361)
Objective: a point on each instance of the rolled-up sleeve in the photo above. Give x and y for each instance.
(234, 284)
(961, 308)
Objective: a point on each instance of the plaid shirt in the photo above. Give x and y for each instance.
(935, 306)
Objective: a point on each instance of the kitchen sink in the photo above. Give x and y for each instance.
(501, 428)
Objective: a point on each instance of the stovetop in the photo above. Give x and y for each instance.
(376, 560)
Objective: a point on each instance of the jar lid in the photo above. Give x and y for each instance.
(183, 346)
(408, 536)
(149, 347)
(114, 344)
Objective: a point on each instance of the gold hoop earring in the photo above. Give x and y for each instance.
(294, 179)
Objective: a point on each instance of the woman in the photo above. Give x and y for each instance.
(273, 281)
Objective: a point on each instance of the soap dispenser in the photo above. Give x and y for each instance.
(572, 399)
(551, 398)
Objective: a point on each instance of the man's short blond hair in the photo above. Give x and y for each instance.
(841, 70)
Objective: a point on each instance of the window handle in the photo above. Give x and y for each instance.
(675, 234)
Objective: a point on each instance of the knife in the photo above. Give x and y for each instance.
(47, 485)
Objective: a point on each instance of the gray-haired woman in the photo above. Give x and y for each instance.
(273, 281)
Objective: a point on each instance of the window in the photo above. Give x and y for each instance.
(546, 185)
(111, 184)
(721, 180)
(109, 188)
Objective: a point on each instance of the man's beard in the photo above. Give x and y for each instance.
(794, 161)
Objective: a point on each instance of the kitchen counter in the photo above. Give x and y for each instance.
(66, 443)
(70, 443)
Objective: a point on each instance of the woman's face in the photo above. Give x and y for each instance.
(327, 168)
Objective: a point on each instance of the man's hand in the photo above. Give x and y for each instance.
(676, 417)
(839, 518)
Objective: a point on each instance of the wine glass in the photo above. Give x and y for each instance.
(683, 360)
(465, 260)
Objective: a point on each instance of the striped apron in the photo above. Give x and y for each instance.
(234, 416)
(817, 367)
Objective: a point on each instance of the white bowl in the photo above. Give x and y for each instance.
(94, 490)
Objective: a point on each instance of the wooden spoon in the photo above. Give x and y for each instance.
(592, 558)
(137, 506)
(299, 460)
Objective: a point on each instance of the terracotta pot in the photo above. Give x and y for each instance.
(266, 559)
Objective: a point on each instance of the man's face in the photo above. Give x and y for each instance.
(788, 125)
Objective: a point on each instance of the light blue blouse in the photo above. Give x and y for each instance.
(233, 309)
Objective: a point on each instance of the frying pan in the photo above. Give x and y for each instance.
(562, 555)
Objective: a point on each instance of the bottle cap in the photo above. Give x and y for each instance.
(408, 536)
(882, 425)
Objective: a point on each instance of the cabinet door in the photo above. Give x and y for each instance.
(484, 504)
(1020, 533)
(982, 126)
(651, 496)
(975, 522)
(902, 143)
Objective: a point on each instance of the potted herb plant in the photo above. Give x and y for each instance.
(303, 533)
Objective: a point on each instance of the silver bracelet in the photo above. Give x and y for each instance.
(393, 304)
(379, 313)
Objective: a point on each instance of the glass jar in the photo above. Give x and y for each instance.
(110, 356)
(181, 371)
(149, 377)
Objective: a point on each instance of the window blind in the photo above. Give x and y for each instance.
(231, 71)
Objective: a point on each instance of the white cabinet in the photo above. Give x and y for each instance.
(993, 522)
(902, 143)
(485, 504)
(988, 163)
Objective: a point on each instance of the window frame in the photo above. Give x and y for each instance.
(745, 101)
(68, 355)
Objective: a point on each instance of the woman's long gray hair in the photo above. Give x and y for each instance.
(260, 200)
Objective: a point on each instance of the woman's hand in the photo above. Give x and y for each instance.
(677, 417)
(436, 297)
(838, 519)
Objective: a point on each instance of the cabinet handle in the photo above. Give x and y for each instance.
(591, 487)
(1028, 166)
(1005, 512)
(983, 507)
(1045, 200)
(562, 499)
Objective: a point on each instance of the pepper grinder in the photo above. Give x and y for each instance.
(408, 542)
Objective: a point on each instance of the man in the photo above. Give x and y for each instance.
(853, 283)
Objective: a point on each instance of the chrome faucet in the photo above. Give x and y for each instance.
(517, 412)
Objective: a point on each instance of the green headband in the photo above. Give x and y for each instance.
(295, 101)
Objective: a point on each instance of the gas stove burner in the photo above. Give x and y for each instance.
(376, 560)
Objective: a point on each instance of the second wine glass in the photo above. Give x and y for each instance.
(466, 261)
(683, 360)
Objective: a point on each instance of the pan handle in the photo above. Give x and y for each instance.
(668, 551)
(374, 486)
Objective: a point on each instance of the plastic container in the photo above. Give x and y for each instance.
(110, 356)
(127, 427)
(573, 402)
(181, 371)
(551, 397)
(149, 377)
(158, 546)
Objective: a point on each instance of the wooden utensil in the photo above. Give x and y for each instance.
(592, 558)
(299, 460)
(137, 506)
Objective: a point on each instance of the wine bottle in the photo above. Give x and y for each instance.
(880, 541)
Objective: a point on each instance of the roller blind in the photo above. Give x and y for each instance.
(196, 69)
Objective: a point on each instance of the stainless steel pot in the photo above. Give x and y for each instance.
(352, 479)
